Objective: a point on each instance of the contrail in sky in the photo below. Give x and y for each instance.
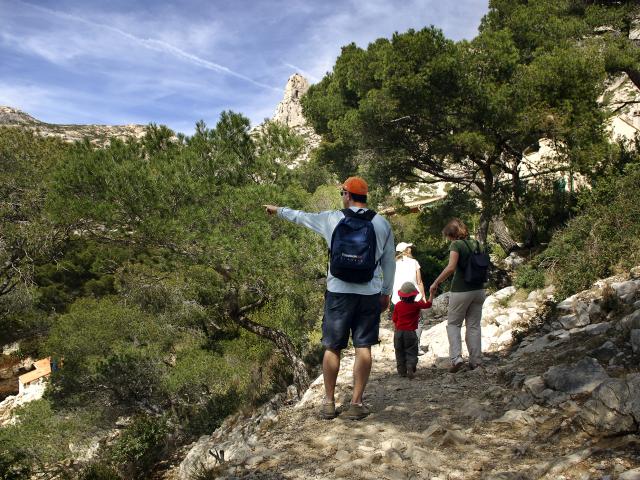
(156, 45)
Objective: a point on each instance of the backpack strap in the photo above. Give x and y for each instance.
(366, 215)
(477, 250)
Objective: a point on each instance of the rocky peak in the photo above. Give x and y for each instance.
(13, 116)
(289, 110)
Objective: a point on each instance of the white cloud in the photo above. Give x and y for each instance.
(148, 43)
(99, 62)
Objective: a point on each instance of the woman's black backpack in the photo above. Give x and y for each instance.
(476, 271)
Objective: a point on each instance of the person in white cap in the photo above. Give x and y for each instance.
(408, 270)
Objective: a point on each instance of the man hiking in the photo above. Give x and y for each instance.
(359, 282)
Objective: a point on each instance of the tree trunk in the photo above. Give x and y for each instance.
(531, 231)
(483, 227)
(503, 237)
(300, 375)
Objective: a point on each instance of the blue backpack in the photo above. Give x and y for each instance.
(352, 256)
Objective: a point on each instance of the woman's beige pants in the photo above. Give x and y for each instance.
(467, 307)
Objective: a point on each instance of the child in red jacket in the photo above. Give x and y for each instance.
(405, 320)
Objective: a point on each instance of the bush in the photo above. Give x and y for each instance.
(529, 277)
(140, 446)
(14, 465)
(99, 471)
(41, 437)
(604, 239)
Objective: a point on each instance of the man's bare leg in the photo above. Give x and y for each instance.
(330, 369)
(361, 371)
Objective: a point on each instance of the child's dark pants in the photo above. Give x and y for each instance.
(405, 343)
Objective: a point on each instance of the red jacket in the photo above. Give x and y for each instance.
(406, 315)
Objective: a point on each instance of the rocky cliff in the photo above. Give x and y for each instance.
(289, 113)
(97, 134)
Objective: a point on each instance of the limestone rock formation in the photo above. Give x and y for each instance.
(289, 113)
(289, 110)
(99, 135)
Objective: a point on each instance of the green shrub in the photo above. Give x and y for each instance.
(604, 239)
(529, 277)
(99, 471)
(14, 465)
(41, 437)
(141, 445)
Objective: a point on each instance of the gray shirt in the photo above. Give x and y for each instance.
(325, 222)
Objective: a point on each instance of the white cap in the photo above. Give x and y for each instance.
(402, 246)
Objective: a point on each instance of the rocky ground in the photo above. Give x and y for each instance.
(558, 399)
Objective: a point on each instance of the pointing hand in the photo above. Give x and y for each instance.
(271, 209)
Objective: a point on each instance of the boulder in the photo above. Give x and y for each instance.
(583, 376)
(567, 305)
(597, 328)
(574, 320)
(553, 398)
(594, 310)
(535, 386)
(625, 289)
(440, 305)
(516, 417)
(614, 407)
(521, 401)
(630, 474)
(476, 410)
(454, 437)
(631, 321)
(605, 352)
(504, 293)
(513, 261)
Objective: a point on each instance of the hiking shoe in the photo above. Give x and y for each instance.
(327, 410)
(356, 412)
(473, 366)
(411, 374)
(455, 366)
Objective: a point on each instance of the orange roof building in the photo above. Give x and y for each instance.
(42, 369)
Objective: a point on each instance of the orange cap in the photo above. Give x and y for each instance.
(356, 185)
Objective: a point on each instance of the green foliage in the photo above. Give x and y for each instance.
(99, 471)
(602, 240)
(545, 205)
(418, 106)
(529, 277)
(27, 235)
(41, 437)
(86, 270)
(458, 203)
(14, 465)
(106, 344)
(140, 446)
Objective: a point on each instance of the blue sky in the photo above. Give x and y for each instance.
(175, 62)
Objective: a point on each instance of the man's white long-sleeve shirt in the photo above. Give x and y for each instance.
(325, 222)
